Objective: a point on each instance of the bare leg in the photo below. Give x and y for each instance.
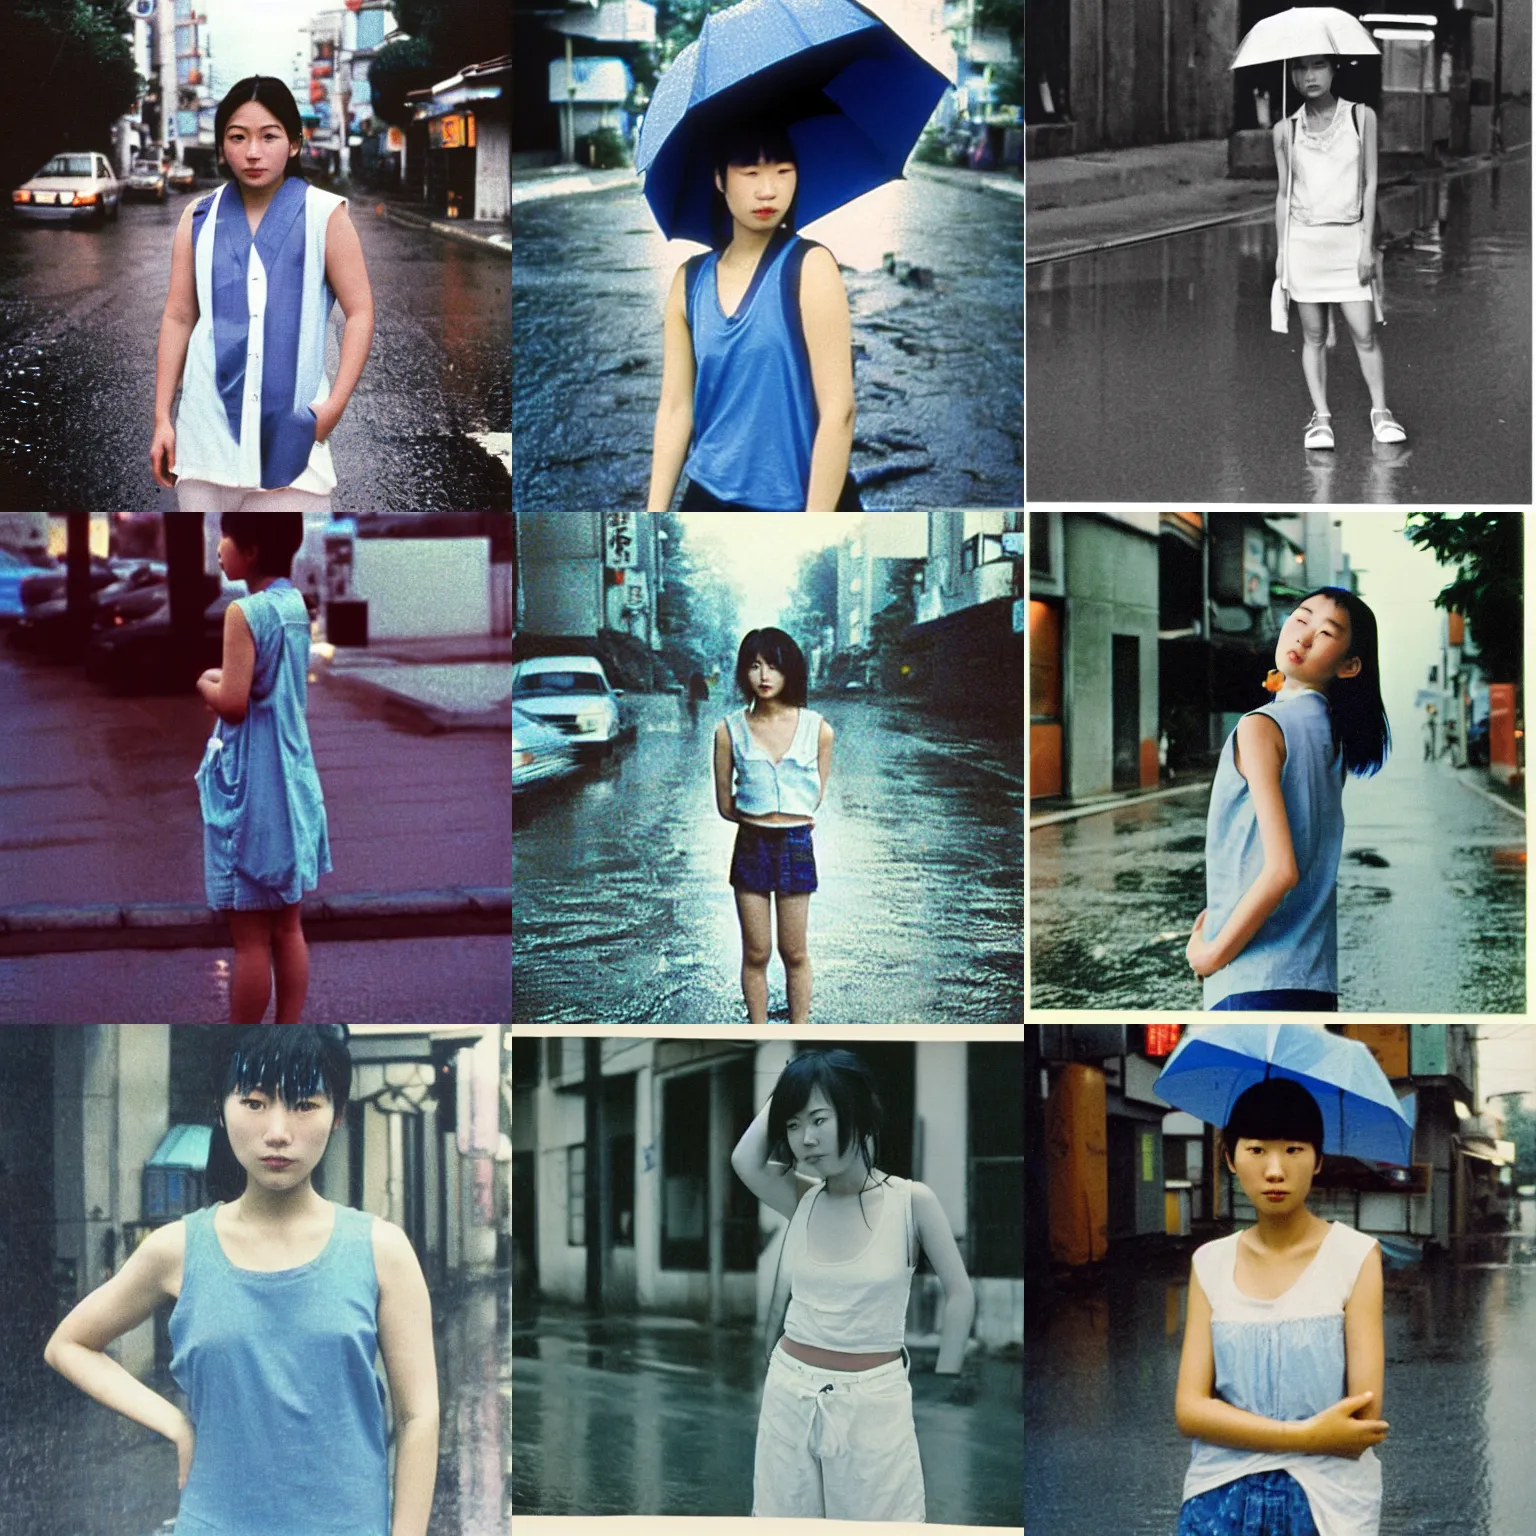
(1314, 352)
(754, 913)
(290, 960)
(1362, 330)
(794, 915)
(251, 984)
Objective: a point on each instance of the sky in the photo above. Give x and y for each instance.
(1506, 1058)
(258, 37)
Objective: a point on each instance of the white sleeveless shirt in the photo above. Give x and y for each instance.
(1325, 185)
(857, 1305)
(1284, 1359)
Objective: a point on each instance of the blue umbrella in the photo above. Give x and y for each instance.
(1362, 1117)
(852, 93)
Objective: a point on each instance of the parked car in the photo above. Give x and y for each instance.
(76, 185)
(572, 694)
(147, 178)
(143, 654)
(15, 571)
(182, 177)
(539, 751)
(138, 591)
(45, 585)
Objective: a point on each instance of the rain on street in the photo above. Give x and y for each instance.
(80, 315)
(937, 377)
(623, 913)
(1431, 899)
(1154, 375)
(1101, 1357)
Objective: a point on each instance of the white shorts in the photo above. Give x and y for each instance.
(837, 1445)
(205, 496)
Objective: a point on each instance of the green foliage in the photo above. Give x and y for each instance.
(398, 67)
(888, 628)
(812, 606)
(1520, 1128)
(458, 32)
(603, 149)
(70, 65)
(697, 609)
(1487, 548)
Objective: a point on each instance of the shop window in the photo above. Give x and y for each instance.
(576, 1197)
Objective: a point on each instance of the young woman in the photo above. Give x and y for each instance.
(265, 835)
(1268, 937)
(835, 1437)
(757, 369)
(283, 1299)
(1279, 1315)
(772, 761)
(255, 268)
(1325, 215)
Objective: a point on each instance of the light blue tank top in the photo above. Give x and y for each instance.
(754, 407)
(278, 1369)
(1297, 946)
(791, 786)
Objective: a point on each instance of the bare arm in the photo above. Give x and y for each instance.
(824, 741)
(1368, 198)
(938, 1239)
(405, 1340)
(176, 323)
(227, 689)
(725, 761)
(347, 273)
(1282, 150)
(1365, 1352)
(829, 343)
(773, 1183)
(674, 413)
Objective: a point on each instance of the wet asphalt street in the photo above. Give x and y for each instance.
(1154, 375)
(639, 1415)
(938, 379)
(79, 318)
(1101, 1360)
(69, 1467)
(623, 914)
(1431, 899)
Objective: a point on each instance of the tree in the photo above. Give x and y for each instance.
(442, 36)
(888, 628)
(1487, 548)
(398, 67)
(697, 610)
(812, 606)
(72, 76)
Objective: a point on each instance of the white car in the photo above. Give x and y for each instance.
(77, 184)
(572, 694)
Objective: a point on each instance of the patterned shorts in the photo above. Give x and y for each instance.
(1261, 1504)
(773, 860)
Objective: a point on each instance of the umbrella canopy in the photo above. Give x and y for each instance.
(851, 92)
(1301, 32)
(1362, 1117)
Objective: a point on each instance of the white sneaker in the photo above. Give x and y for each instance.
(1319, 431)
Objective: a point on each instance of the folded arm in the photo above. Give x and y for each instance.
(226, 690)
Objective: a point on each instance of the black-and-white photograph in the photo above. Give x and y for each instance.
(773, 1277)
(1279, 254)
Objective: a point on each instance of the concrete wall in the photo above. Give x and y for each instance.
(493, 167)
(560, 573)
(418, 588)
(1112, 589)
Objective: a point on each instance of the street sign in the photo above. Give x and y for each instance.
(619, 542)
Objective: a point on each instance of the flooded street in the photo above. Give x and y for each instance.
(623, 912)
(1431, 899)
(937, 377)
(1101, 1361)
(1154, 375)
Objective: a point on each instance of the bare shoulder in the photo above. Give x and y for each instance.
(826, 733)
(393, 1255)
(1256, 731)
(165, 1249)
(820, 277)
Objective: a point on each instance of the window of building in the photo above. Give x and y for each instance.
(685, 1171)
(621, 1199)
(576, 1197)
(982, 549)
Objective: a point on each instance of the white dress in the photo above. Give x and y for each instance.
(1324, 224)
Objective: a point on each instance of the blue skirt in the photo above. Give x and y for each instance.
(773, 860)
(1261, 1504)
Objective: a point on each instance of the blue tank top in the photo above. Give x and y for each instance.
(1297, 945)
(754, 408)
(278, 1369)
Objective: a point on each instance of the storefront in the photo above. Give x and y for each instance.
(468, 126)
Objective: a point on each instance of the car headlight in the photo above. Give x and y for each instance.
(591, 719)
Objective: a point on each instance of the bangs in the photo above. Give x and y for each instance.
(290, 1062)
(1278, 1109)
(747, 146)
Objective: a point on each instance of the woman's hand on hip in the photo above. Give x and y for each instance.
(327, 414)
(1365, 268)
(162, 454)
(185, 1440)
(1200, 952)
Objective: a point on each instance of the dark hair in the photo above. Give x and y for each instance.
(291, 1062)
(275, 536)
(1277, 1109)
(745, 142)
(782, 654)
(269, 92)
(1360, 726)
(849, 1087)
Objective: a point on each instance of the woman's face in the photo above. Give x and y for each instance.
(1313, 647)
(261, 1127)
(764, 679)
(236, 563)
(759, 196)
(1275, 1175)
(257, 146)
(812, 1136)
(1313, 77)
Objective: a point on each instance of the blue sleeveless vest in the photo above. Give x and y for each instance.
(279, 1373)
(754, 407)
(1297, 945)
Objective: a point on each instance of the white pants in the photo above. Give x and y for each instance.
(205, 496)
(838, 1445)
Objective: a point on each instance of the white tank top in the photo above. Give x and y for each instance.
(858, 1306)
(1326, 186)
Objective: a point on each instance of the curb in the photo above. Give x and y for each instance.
(40, 929)
(433, 717)
(969, 181)
(448, 228)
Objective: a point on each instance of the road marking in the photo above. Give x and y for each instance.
(498, 445)
(1488, 794)
(1113, 804)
